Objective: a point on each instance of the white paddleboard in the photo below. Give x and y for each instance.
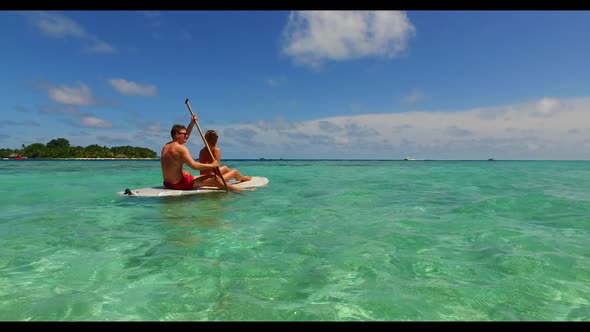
(160, 191)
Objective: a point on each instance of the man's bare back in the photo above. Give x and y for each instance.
(171, 162)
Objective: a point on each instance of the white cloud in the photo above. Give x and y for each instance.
(515, 132)
(101, 47)
(456, 131)
(154, 127)
(313, 36)
(130, 88)
(80, 96)
(91, 121)
(57, 25)
(547, 106)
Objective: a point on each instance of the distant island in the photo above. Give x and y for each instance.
(61, 148)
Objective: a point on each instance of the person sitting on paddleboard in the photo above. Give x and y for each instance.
(204, 157)
(174, 155)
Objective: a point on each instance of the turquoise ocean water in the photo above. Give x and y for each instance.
(325, 240)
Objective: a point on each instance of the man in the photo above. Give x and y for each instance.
(205, 157)
(174, 155)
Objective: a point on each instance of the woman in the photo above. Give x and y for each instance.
(206, 158)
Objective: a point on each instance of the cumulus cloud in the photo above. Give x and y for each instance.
(154, 127)
(359, 130)
(153, 131)
(401, 127)
(80, 96)
(329, 127)
(101, 47)
(130, 88)
(313, 36)
(91, 121)
(56, 25)
(463, 134)
(276, 124)
(74, 117)
(321, 139)
(546, 107)
(241, 133)
(456, 131)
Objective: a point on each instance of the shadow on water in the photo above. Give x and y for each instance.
(184, 228)
(204, 212)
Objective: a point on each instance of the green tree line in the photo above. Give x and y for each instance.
(60, 148)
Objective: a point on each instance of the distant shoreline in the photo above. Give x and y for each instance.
(283, 159)
(83, 159)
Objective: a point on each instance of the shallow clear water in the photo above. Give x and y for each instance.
(325, 240)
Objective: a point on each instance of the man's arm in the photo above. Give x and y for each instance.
(187, 159)
(190, 126)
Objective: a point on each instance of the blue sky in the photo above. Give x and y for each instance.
(318, 85)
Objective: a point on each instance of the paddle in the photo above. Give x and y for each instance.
(206, 144)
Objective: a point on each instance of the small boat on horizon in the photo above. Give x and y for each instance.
(17, 157)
